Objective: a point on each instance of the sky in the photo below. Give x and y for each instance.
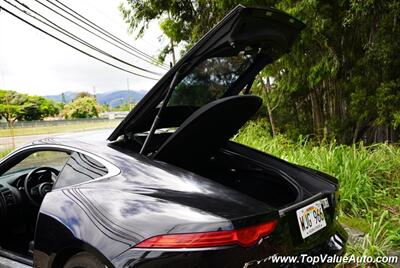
(34, 63)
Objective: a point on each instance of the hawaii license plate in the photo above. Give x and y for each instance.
(311, 218)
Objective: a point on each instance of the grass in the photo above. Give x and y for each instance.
(369, 179)
(4, 153)
(354, 222)
(378, 241)
(68, 127)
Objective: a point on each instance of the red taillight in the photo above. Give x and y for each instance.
(246, 236)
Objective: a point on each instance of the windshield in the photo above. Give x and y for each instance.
(209, 80)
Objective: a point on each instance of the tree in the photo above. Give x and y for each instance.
(341, 64)
(272, 96)
(37, 108)
(183, 22)
(83, 94)
(84, 107)
(16, 106)
(11, 106)
(123, 107)
(341, 79)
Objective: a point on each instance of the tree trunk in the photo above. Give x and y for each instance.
(355, 134)
(317, 114)
(10, 122)
(173, 52)
(271, 120)
(266, 87)
(270, 116)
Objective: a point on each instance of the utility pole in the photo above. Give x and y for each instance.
(172, 45)
(129, 95)
(10, 120)
(94, 92)
(63, 99)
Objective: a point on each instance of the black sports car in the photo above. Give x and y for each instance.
(169, 188)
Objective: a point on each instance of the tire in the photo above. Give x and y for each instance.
(84, 260)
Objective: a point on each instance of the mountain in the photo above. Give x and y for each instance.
(114, 98)
(119, 96)
(69, 96)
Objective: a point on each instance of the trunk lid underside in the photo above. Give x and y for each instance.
(264, 34)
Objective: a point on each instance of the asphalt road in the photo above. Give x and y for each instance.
(6, 142)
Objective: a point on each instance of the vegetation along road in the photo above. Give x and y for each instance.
(28, 134)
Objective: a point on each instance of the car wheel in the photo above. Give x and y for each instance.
(84, 260)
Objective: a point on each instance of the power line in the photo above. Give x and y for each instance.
(72, 46)
(99, 29)
(134, 66)
(90, 4)
(72, 36)
(151, 60)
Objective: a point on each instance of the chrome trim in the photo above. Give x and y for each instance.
(320, 195)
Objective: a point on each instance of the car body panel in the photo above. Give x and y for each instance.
(143, 192)
(108, 216)
(141, 197)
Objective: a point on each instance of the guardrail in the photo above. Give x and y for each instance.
(26, 132)
(49, 123)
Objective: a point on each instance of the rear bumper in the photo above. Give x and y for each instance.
(336, 245)
(257, 256)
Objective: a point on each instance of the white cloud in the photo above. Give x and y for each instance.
(34, 63)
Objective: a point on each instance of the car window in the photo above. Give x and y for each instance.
(80, 168)
(209, 80)
(54, 159)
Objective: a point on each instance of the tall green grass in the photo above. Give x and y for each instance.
(369, 176)
(378, 241)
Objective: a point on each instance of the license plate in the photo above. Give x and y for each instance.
(311, 219)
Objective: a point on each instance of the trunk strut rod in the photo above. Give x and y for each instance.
(158, 116)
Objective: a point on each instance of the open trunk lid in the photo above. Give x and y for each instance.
(244, 42)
